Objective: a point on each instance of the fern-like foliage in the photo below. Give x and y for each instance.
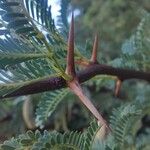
(63, 19)
(124, 123)
(53, 140)
(90, 135)
(48, 104)
(135, 50)
(120, 123)
(20, 51)
(31, 47)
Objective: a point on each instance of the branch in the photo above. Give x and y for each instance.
(54, 83)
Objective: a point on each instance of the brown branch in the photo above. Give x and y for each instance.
(54, 83)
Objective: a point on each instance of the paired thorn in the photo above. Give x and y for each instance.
(73, 84)
(95, 50)
(118, 87)
(70, 69)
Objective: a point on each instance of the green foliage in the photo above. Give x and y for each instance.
(7, 59)
(24, 45)
(121, 124)
(32, 48)
(124, 121)
(41, 12)
(114, 25)
(48, 104)
(52, 140)
(63, 21)
(136, 49)
(90, 135)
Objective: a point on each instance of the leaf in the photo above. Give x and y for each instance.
(48, 140)
(26, 142)
(120, 120)
(25, 30)
(10, 16)
(17, 23)
(14, 58)
(90, 135)
(48, 105)
(7, 5)
(7, 147)
(63, 18)
(3, 32)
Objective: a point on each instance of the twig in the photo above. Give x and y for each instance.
(53, 83)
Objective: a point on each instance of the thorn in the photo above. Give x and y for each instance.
(70, 69)
(95, 49)
(77, 90)
(118, 87)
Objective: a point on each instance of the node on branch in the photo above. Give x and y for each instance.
(74, 84)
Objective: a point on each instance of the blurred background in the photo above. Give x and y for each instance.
(116, 22)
